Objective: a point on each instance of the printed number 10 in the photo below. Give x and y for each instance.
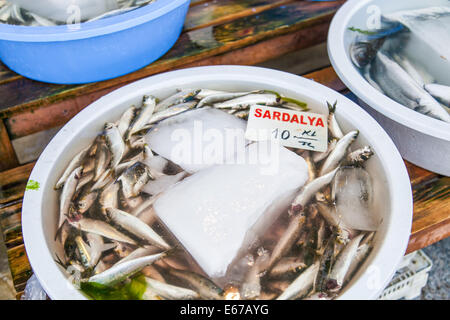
(285, 134)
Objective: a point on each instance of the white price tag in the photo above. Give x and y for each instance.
(303, 130)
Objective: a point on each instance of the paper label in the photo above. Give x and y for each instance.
(303, 130)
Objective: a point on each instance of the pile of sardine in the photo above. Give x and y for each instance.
(50, 13)
(109, 233)
(383, 58)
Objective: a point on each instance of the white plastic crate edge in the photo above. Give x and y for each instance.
(409, 283)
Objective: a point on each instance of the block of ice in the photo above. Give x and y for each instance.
(198, 138)
(217, 212)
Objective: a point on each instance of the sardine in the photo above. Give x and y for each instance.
(341, 266)
(67, 194)
(115, 143)
(222, 96)
(248, 100)
(84, 252)
(338, 154)
(333, 125)
(101, 228)
(181, 97)
(358, 156)
(319, 156)
(109, 196)
(287, 240)
(302, 284)
(287, 266)
(96, 247)
(122, 271)
(172, 111)
(102, 160)
(134, 179)
(136, 227)
(205, 287)
(140, 252)
(171, 292)
(85, 201)
(310, 189)
(144, 116)
(125, 121)
(76, 162)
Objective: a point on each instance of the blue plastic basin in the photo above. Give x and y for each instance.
(93, 51)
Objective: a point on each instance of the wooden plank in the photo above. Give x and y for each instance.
(192, 46)
(20, 266)
(217, 12)
(13, 183)
(10, 224)
(8, 158)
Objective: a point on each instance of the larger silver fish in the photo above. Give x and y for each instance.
(440, 92)
(399, 86)
(76, 162)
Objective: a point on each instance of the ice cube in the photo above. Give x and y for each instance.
(218, 212)
(353, 194)
(198, 138)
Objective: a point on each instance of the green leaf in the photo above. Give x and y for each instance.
(366, 32)
(32, 185)
(131, 290)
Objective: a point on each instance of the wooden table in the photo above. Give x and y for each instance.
(243, 32)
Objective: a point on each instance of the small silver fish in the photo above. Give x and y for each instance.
(302, 284)
(268, 99)
(310, 189)
(136, 227)
(359, 156)
(134, 179)
(172, 111)
(125, 121)
(333, 125)
(179, 98)
(120, 272)
(76, 162)
(206, 288)
(341, 266)
(335, 157)
(101, 228)
(319, 156)
(115, 143)
(96, 247)
(287, 240)
(171, 292)
(144, 116)
(67, 193)
(222, 96)
(286, 266)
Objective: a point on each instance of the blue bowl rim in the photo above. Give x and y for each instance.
(89, 29)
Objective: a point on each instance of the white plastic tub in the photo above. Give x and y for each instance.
(392, 189)
(420, 139)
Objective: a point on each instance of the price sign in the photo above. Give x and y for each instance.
(303, 130)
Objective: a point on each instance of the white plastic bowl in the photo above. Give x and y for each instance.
(391, 183)
(420, 139)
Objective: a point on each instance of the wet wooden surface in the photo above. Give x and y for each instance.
(217, 32)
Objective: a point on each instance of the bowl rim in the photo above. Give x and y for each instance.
(390, 250)
(89, 29)
(358, 84)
